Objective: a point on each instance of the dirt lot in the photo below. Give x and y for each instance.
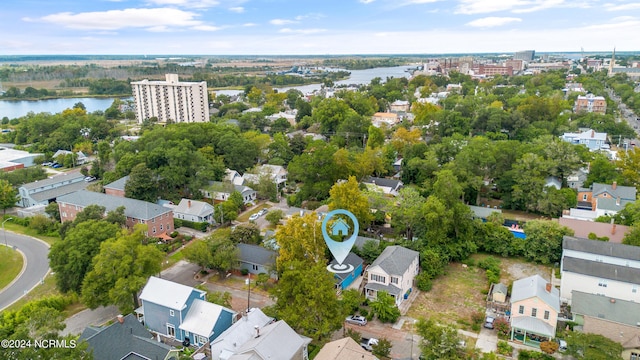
(461, 292)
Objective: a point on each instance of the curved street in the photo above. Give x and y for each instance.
(37, 266)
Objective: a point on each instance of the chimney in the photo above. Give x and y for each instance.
(257, 331)
(189, 203)
(593, 133)
(614, 185)
(618, 201)
(120, 319)
(548, 287)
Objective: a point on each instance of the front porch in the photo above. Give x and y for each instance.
(531, 331)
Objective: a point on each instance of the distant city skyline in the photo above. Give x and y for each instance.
(311, 27)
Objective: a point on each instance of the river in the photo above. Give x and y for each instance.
(15, 109)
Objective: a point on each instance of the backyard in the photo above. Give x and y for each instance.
(461, 291)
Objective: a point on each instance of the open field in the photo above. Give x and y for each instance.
(10, 265)
(461, 292)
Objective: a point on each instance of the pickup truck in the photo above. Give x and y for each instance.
(367, 343)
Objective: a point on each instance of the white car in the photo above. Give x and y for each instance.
(356, 320)
(254, 217)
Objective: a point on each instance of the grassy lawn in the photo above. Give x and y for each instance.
(30, 232)
(461, 292)
(47, 288)
(10, 265)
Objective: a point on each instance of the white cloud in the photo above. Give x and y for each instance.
(493, 21)
(517, 6)
(621, 7)
(237, 9)
(282, 22)
(206, 28)
(621, 23)
(159, 18)
(249, 24)
(301, 31)
(196, 4)
(366, 1)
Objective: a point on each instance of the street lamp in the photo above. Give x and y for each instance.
(5, 233)
(248, 282)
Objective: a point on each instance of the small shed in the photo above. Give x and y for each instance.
(499, 293)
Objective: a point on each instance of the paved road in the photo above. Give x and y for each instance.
(76, 324)
(37, 266)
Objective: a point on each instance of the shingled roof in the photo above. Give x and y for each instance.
(601, 248)
(137, 209)
(395, 260)
(601, 270)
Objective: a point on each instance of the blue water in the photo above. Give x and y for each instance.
(518, 234)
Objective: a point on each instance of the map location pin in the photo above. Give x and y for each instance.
(340, 227)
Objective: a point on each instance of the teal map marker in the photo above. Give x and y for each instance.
(340, 227)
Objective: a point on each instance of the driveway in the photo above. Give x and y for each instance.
(76, 324)
(35, 268)
(487, 340)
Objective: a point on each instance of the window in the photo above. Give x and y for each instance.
(201, 339)
(534, 312)
(171, 330)
(378, 278)
(161, 227)
(584, 197)
(602, 283)
(546, 314)
(154, 229)
(521, 309)
(172, 313)
(635, 356)
(394, 280)
(254, 267)
(634, 289)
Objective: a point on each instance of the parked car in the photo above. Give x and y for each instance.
(254, 217)
(90, 178)
(262, 212)
(488, 322)
(356, 320)
(562, 345)
(48, 163)
(368, 343)
(56, 165)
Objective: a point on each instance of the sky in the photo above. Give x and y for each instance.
(311, 27)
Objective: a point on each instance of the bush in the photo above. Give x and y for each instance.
(244, 272)
(533, 355)
(177, 223)
(364, 312)
(423, 282)
(504, 348)
(502, 327)
(549, 347)
(174, 234)
(200, 226)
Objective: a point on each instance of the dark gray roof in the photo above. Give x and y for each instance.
(117, 341)
(500, 288)
(70, 176)
(624, 192)
(394, 184)
(395, 260)
(351, 259)
(59, 191)
(601, 247)
(118, 184)
(255, 254)
(133, 208)
(601, 270)
(604, 307)
(391, 289)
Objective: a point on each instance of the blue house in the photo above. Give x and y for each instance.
(178, 311)
(344, 279)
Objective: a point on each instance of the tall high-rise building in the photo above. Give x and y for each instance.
(171, 100)
(526, 55)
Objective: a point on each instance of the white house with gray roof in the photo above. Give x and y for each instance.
(220, 191)
(243, 330)
(193, 210)
(387, 186)
(274, 341)
(393, 271)
(158, 219)
(601, 268)
(42, 192)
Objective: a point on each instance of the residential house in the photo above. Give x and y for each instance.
(393, 271)
(126, 338)
(387, 119)
(590, 103)
(81, 158)
(290, 116)
(535, 305)
(590, 138)
(277, 173)
(193, 210)
(257, 259)
(361, 240)
(605, 199)
(313, 136)
(233, 177)
(618, 320)
(182, 312)
(599, 267)
(226, 345)
(577, 178)
(220, 191)
(399, 106)
(387, 186)
(552, 181)
(116, 188)
(274, 341)
(42, 192)
(159, 219)
(353, 269)
(344, 349)
(583, 229)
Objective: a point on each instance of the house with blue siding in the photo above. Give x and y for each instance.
(353, 268)
(178, 311)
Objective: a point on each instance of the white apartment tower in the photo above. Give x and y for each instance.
(171, 100)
